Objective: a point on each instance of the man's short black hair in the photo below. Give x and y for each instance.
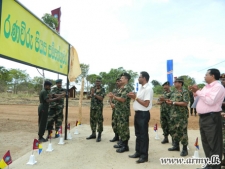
(214, 72)
(166, 83)
(145, 75)
(127, 75)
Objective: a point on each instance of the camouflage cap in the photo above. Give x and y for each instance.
(47, 83)
(117, 79)
(222, 75)
(58, 81)
(179, 79)
(166, 83)
(127, 75)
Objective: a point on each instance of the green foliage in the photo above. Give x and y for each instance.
(50, 20)
(91, 78)
(201, 85)
(84, 72)
(155, 83)
(18, 76)
(109, 79)
(4, 78)
(188, 81)
(158, 89)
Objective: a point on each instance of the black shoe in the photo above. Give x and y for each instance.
(42, 140)
(99, 137)
(184, 152)
(116, 138)
(175, 147)
(165, 140)
(122, 149)
(118, 146)
(135, 155)
(141, 160)
(92, 136)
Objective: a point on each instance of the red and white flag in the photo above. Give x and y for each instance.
(155, 127)
(57, 14)
(35, 144)
(68, 126)
(60, 130)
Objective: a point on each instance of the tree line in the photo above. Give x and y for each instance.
(17, 80)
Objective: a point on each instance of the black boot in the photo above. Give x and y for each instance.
(99, 137)
(195, 112)
(191, 111)
(41, 139)
(176, 147)
(116, 138)
(119, 144)
(123, 148)
(172, 141)
(184, 152)
(165, 140)
(92, 136)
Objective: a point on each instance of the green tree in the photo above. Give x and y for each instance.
(188, 81)
(108, 79)
(18, 76)
(4, 78)
(201, 85)
(50, 20)
(155, 83)
(158, 89)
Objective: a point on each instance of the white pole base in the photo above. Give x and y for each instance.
(196, 155)
(31, 160)
(61, 141)
(69, 137)
(49, 149)
(76, 131)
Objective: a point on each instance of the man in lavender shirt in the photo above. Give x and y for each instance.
(209, 110)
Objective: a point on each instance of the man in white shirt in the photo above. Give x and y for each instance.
(142, 104)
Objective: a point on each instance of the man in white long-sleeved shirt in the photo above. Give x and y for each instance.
(142, 104)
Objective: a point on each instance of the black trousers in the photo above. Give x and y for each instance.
(42, 119)
(141, 120)
(211, 135)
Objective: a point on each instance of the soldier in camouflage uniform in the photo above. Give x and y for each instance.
(179, 100)
(55, 113)
(222, 79)
(165, 111)
(114, 118)
(97, 95)
(44, 98)
(122, 111)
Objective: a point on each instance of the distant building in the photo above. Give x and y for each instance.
(72, 92)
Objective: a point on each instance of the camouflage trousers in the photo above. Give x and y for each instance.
(122, 119)
(178, 127)
(164, 120)
(55, 116)
(96, 118)
(223, 130)
(114, 122)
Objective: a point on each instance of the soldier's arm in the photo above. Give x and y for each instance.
(123, 96)
(48, 98)
(185, 101)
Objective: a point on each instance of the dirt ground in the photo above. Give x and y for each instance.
(18, 123)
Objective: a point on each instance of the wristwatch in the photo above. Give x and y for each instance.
(173, 103)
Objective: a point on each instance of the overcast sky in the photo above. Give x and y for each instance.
(140, 34)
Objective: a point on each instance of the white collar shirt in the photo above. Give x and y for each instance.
(145, 93)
